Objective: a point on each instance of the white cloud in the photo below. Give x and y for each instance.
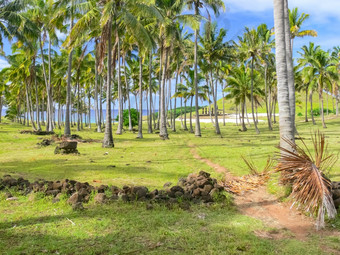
(3, 64)
(325, 8)
(246, 5)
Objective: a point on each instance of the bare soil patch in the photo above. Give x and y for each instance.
(253, 200)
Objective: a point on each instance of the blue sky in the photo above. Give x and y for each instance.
(324, 18)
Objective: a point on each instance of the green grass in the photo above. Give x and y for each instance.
(37, 226)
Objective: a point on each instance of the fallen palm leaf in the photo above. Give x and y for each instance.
(311, 190)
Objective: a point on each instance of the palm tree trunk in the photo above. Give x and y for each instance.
(236, 114)
(181, 113)
(140, 120)
(197, 127)
(163, 132)
(46, 82)
(89, 105)
(42, 111)
(78, 105)
(217, 126)
(306, 110)
(0, 105)
(185, 115)
(127, 93)
(290, 65)
(337, 104)
(191, 129)
(266, 99)
(150, 94)
(311, 106)
(36, 104)
(174, 114)
(223, 105)
(96, 108)
(245, 107)
(160, 79)
(252, 95)
(244, 128)
(327, 102)
(108, 138)
(120, 96)
(29, 107)
(67, 130)
(321, 104)
(100, 104)
(50, 98)
(286, 121)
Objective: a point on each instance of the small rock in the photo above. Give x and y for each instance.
(12, 199)
(8, 195)
(185, 205)
(149, 206)
(177, 189)
(102, 188)
(139, 191)
(201, 216)
(168, 184)
(74, 199)
(100, 198)
(205, 174)
(78, 206)
(55, 200)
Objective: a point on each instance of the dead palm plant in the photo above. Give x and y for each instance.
(311, 189)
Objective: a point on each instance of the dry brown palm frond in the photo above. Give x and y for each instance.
(311, 190)
(254, 170)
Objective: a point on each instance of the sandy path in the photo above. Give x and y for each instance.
(261, 205)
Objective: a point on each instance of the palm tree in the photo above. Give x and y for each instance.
(326, 72)
(286, 124)
(239, 88)
(213, 50)
(252, 46)
(296, 21)
(215, 5)
(191, 91)
(336, 58)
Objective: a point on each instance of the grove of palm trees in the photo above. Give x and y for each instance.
(148, 127)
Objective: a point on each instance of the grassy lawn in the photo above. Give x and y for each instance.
(34, 225)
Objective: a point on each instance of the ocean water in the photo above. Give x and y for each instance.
(93, 117)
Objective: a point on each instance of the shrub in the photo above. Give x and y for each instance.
(134, 117)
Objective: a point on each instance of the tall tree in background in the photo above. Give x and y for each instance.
(196, 5)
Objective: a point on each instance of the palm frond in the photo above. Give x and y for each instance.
(311, 190)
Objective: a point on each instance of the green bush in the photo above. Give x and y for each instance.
(134, 117)
(316, 111)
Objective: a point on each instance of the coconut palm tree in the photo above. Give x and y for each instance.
(325, 73)
(213, 49)
(196, 5)
(239, 88)
(253, 47)
(286, 123)
(191, 90)
(296, 21)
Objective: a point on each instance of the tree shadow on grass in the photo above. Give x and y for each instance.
(131, 229)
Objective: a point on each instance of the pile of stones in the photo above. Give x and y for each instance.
(195, 188)
(336, 193)
(45, 142)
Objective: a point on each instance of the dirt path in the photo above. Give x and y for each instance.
(286, 221)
